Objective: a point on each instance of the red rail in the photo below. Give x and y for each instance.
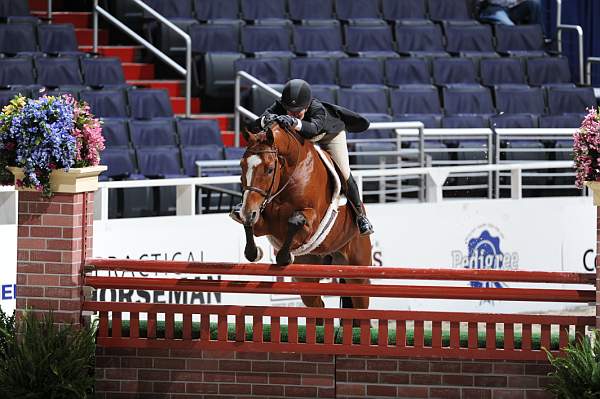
(374, 290)
(336, 271)
(443, 329)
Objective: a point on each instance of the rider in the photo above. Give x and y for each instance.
(323, 123)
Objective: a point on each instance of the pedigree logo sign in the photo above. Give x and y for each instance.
(485, 249)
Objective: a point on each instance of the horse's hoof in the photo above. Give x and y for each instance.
(259, 254)
(253, 255)
(284, 258)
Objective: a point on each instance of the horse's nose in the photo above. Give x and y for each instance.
(253, 217)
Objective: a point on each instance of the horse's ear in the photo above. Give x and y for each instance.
(270, 137)
(247, 135)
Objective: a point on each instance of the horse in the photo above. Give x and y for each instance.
(287, 190)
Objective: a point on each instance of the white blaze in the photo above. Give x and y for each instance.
(253, 161)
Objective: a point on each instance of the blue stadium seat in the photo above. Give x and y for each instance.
(561, 121)
(501, 71)
(453, 70)
(17, 38)
(260, 100)
(405, 71)
(318, 40)
(431, 121)
(394, 10)
(73, 91)
(415, 99)
(220, 37)
(357, 9)
(115, 132)
(261, 9)
(465, 121)
(195, 132)
(374, 133)
(570, 100)
(364, 99)
(469, 38)
(327, 93)
(120, 162)
(521, 155)
(106, 103)
(269, 70)
(314, 70)
(422, 38)
(359, 70)
(217, 9)
(16, 71)
(262, 38)
(149, 103)
(234, 152)
(57, 38)
(370, 41)
(467, 99)
(152, 133)
(520, 40)
(444, 10)
(159, 162)
(514, 121)
(217, 71)
(434, 148)
(517, 99)
(310, 9)
(11, 8)
(191, 154)
(468, 154)
(173, 9)
(102, 71)
(543, 71)
(53, 72)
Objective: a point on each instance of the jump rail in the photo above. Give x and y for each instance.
(310, 330)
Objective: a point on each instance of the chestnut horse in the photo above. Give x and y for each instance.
(287, 191)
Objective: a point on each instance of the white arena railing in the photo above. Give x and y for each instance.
(435, 178)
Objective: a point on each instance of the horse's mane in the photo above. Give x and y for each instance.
(262, 134)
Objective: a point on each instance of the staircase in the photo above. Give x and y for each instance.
(136, 73)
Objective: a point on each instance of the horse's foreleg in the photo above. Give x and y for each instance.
(251, 251)
(295, 223)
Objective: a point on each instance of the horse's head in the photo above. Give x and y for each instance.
(261, 171)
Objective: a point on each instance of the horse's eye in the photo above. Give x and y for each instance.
(270, 170)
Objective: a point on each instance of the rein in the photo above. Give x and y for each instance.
(268, 195)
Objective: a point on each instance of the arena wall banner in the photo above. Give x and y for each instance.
(8, 267)
(550, 234)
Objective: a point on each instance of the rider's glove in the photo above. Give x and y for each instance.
(286, 121)
(268, 119)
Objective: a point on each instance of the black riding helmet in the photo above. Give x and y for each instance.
(296, 95)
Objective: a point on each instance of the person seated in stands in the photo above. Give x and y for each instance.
(323, 123)
(510, 12)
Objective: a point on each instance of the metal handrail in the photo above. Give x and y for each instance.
(588, 68)
(578, 29)
(186, 72)
(49, 12)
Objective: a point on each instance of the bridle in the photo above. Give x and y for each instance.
(269, 196)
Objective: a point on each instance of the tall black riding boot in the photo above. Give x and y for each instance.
(364, 226)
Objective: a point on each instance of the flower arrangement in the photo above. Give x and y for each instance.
(45, 134)
(586, 148)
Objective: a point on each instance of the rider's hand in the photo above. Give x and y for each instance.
(286, 121)
(268, 119)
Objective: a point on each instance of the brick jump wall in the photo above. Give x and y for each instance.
(54, 237)
(161, 373)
